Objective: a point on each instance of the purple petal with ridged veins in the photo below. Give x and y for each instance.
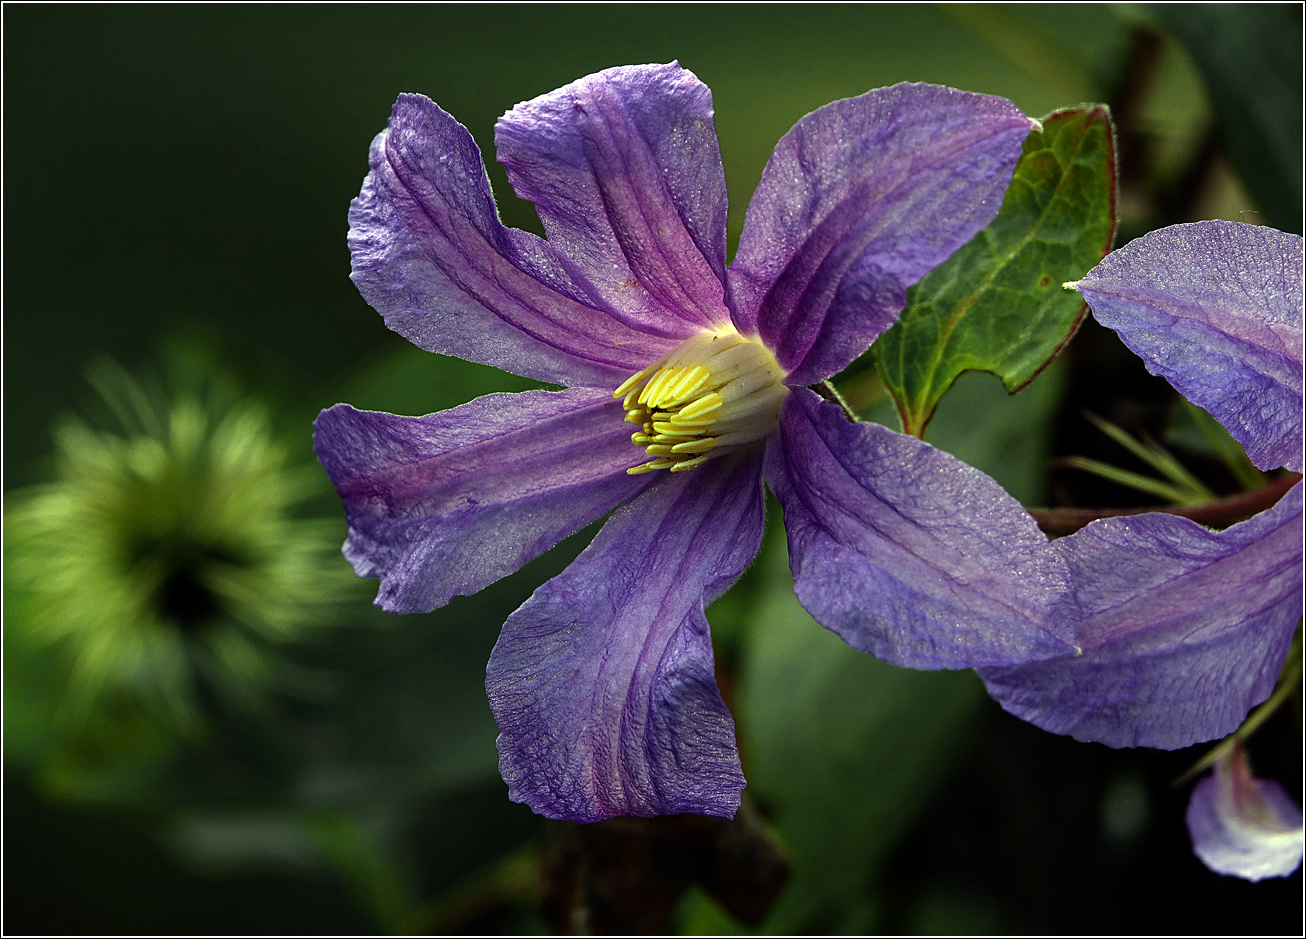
(1244, 827)
(625, 172)
(445, 504)
(1184, 629)
(1216, 309)
(861, 199)
(603, 682)
(905, 551)
(430, 254)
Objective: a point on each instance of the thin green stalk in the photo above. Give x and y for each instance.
(1148, 484)
(1289, 681)
(1229, 451)
(827, 391)
(1157, 457)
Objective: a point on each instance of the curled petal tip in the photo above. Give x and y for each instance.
(1244, 827)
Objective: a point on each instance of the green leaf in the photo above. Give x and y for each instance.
(997, 304)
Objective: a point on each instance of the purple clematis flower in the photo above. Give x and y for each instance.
(1241, 826)
(1185, 629)
(602, 683)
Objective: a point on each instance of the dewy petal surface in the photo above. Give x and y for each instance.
(445, 504)
(860, 200)
(1184, 629)
(625, 172)
(1244, 827)
(1216, 309)
(906, 552)
(603, 683)
(430, 254)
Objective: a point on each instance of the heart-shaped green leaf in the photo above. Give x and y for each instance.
(997, 304)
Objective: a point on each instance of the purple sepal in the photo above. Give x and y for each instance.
(1216, 309)
(625, 172)
(430, 254)
(908, 553)
(603, 682)
(445, 504)
(861, 199)
(1241, 826)
(1184, 629)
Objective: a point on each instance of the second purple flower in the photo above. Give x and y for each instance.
(686, 387)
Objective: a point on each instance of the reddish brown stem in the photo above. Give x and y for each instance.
(1218, 514)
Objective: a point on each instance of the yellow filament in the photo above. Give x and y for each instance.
(688, 464)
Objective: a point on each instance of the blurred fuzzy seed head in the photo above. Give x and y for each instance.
(165, 558)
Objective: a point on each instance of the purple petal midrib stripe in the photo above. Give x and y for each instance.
(944, 575)
(565, 341)
(669, 289)
(1144, 296)
(534, 450)
(629, 775)
(858, 197)
(1113, 611)
(645, 651)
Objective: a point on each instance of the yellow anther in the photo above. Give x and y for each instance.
(653, 390)
(631, 382)
(712, 394)
(689, 464)
(688, 383)
(666, 427)
(700, 445)
(704, 405)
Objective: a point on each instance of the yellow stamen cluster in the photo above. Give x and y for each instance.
(712, 394)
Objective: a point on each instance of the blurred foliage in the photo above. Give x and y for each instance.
(186, 170)
(1250, 58)
(164, 558)
(827, 726)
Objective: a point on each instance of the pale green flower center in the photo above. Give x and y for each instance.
(712, 394)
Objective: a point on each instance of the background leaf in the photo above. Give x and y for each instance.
(997, 305)
(1250, 57)
(845, 750)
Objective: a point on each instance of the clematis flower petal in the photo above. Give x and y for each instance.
(1184, 629)
(445, 504)
(603, 683)
(430, 254)
(1241, 826)
(893, 546)
(1216, 309)
(861, 199)
(624, 169)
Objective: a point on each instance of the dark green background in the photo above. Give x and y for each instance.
(174, 165)
(185, 171)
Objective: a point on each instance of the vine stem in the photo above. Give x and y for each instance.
(827, 391)
(1218, 514)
